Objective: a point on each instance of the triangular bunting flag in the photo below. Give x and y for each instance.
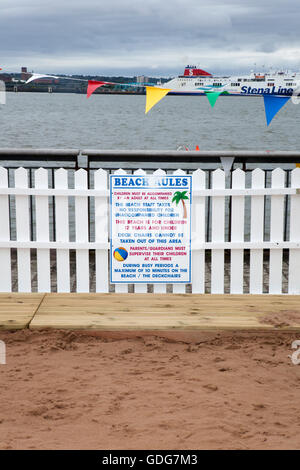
(227, 163)
(92, 86)
(213, 96)
(273, 104)
(154, 95)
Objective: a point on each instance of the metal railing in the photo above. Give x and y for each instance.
(148, 159)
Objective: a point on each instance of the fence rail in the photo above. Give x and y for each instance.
(134, 159)
(54, 232)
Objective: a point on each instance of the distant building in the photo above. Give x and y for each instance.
(24, 74)
(142, 79)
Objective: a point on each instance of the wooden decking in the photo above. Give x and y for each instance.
(121, 312)
(17, 310)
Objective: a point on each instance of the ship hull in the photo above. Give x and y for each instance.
(228, 93)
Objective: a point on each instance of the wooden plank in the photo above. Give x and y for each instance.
(257, 233)
(5, 259)
(198, 233)
(164, 311)
(276, 233)
(82, 233)
(42, 232)
(101, 232)
(62, 232)
(23, 232)
(217, 234)
(237, 234)
(17, 310)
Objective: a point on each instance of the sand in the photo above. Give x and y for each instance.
(73, 390)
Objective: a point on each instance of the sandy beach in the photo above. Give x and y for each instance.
(92, 390)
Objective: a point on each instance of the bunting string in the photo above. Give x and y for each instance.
(154, 94)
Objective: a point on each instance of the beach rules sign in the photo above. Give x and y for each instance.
(150, 227)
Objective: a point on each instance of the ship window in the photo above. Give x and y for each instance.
(235, 84)
(290, 84)
(270, 84)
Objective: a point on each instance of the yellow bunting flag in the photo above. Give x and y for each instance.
(154, 95)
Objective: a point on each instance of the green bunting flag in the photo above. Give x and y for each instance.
(212, 97)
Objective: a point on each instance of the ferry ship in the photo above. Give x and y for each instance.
(196, 81)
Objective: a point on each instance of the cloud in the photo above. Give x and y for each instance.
(118, 37)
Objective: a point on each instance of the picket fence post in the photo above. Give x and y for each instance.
(62, 232)
(237, 234)
(276, 233)
(198, 233)
(5, 257)
(294, 255)
(218, 231)
(42, 232)
(101, 232)
(82, 234)
(23, 232)
(257, 233)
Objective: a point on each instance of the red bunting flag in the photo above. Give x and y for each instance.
(92, 86)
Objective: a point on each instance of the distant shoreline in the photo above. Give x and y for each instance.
(78, 92)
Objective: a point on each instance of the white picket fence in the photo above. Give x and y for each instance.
(16, 204)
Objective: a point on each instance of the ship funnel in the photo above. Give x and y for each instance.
(193, 71)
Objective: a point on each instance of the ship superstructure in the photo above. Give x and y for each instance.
(196, 81)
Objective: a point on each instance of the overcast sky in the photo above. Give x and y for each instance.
(149, 37)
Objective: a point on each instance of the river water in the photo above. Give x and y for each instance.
(119, 122)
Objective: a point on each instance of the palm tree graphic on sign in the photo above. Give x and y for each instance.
(181, 196)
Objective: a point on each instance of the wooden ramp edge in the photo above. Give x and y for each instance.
(17, 310)
(165, 312)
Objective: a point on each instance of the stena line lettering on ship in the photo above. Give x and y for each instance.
(267, 91)
(196, 81)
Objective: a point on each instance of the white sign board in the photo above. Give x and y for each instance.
(150, 227)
